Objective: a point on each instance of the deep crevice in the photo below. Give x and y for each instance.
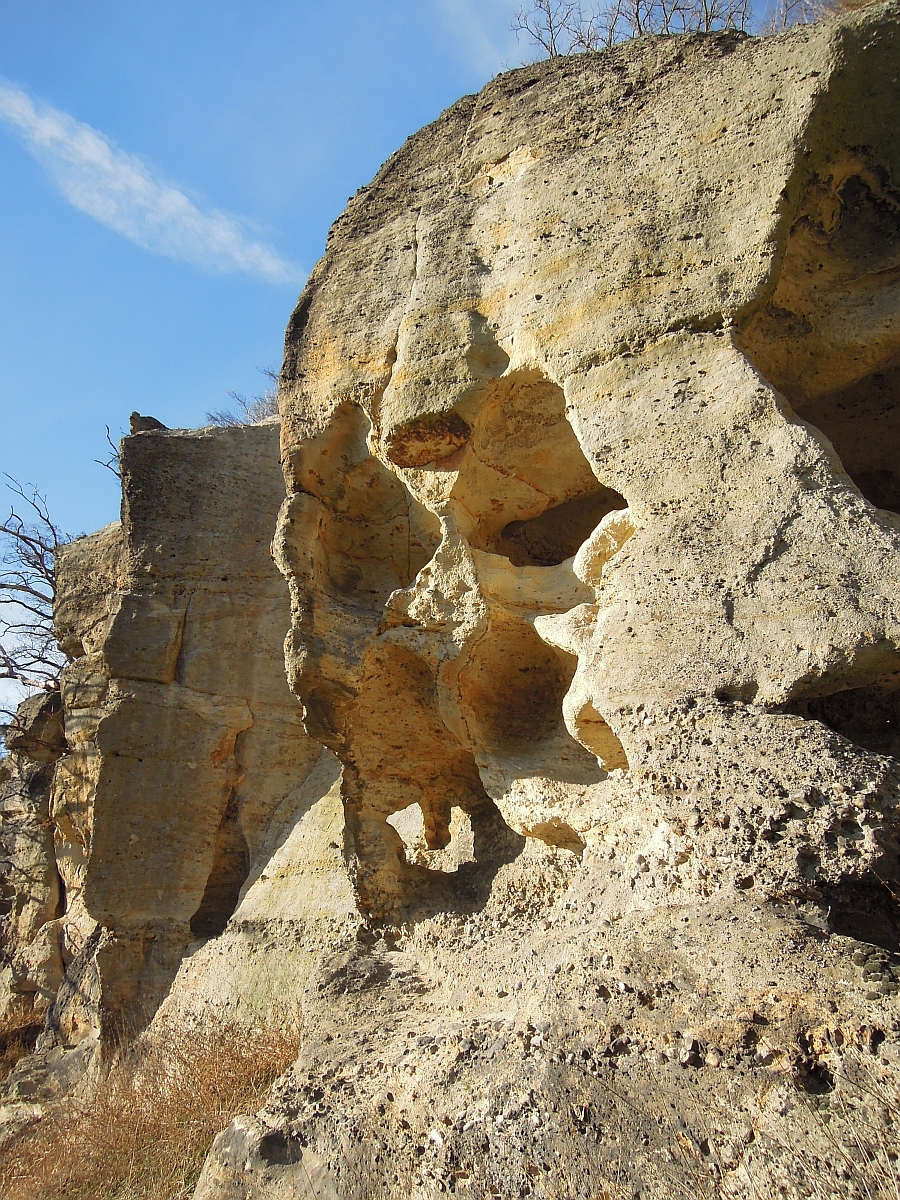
(231, 866)
(867, 910)
(862, 422)
(829, 337)
(559, 532)
(512, 690)
(525, 488)
(868, 716)
(514, 687)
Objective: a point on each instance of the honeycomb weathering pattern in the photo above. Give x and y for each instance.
(554, 406)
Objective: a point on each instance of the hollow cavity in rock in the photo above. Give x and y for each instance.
(829, 337)
(524, 488)
(868, 716)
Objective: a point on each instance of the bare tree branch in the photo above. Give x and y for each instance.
(250, 412)
(551, 25)
(784, 14)
(558, 27)
(111, 462)
(29, 655)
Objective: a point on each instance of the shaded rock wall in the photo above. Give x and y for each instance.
(32, 898)
(186, 751)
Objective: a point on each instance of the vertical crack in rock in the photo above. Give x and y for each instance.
(32, 892)
(230, 868)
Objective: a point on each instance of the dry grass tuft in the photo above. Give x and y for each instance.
(146, 1130)
(842, 1145)
(851, 1148)
(18, 1034)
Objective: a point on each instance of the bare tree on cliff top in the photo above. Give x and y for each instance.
(250, 412)
(558, 27)
(29, 655)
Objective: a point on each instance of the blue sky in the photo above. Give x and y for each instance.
(168, 173)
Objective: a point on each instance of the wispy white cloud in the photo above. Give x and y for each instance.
(121, 191)
(482, 32)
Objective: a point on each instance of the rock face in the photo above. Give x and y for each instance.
(583, 859)
(590, 436)
(187, 756)
(554, 505)
(32, 900)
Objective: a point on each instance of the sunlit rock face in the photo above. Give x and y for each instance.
(571, 835)
(589, 433)
(187, 756)
(589, 428)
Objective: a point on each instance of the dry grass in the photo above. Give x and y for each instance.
(852, 1147)
(146, 1131)
(148, 1126)
(18, 1034)
(841, 1146)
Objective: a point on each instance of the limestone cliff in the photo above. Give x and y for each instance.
(573, 827)
(32, 894)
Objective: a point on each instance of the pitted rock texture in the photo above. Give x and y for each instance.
(554, 509)
(592, 542)
(538, 1048)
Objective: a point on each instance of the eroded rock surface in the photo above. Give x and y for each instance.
(593, 550)
(551, 506)
(579, 862)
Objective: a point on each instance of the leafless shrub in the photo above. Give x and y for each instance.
(250, 412)
(557, 27)
(112, 460)
(29, 655)
(786, 13)
(146, 1130)
(846, 1148)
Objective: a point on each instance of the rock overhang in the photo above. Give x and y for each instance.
(562, 316)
